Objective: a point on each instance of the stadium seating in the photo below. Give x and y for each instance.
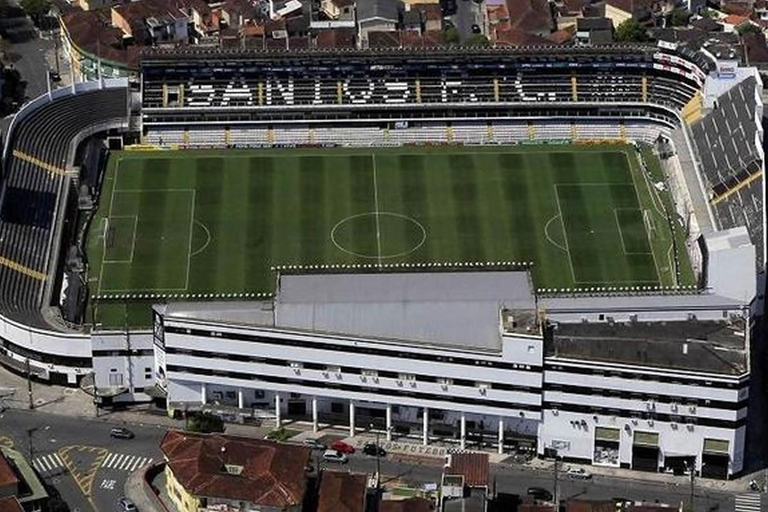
(731, 154)
(39, 146)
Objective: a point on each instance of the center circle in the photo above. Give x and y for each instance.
(376, 235)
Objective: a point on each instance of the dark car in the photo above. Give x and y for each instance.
(55, 77)
(476, 29)
(540, 493)
(373, 450)
(121, 433)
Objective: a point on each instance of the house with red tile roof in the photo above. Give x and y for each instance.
(216, 472)
(9, 482)
(342, 492)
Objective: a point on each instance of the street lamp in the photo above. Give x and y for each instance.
(378, 460)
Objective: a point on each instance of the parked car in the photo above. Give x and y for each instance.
(120, 433)
(314, 444)
(540, 493)
(334, 456)
(126, 505)
(579, 473)
(373, 450)
(341, 446)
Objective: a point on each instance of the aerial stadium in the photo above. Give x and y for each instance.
(568, 224)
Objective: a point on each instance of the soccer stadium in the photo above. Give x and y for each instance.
(226, 190)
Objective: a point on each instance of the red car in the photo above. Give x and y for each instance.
(341, 446)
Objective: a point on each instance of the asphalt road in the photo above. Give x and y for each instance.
(62, 447)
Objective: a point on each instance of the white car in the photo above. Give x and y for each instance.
(334, 456)
(580, 473)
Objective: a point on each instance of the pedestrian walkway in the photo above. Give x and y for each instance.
(749, 502)
(48, 463)
(125, 462)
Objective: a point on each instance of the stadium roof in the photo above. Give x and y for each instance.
(455, 309)
(708, 346)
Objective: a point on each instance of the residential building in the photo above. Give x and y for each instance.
(407, 505)
(19, 484)
(10, 504)
(342, 492)
(619, 11)
(338, 9)
(376, 16)
(590, 31)
(465, 483)
(215, 472)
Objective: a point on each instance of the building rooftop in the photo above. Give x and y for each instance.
(377, 9)
(460, 309)
(237, 468)
(409, 505)
(7, 474)
(530, 15)
(707, 346)
(10, 504)
(474, 467)
(342, 492)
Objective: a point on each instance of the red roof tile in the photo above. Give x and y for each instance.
(563, 36)
(91, 33)
(270, 475)
(336, 38)
(472, 466)
(734, 19)
(342, 492)
(590, 506)
(10, 504)
(409, 505)
(530, 15)
(7, 474)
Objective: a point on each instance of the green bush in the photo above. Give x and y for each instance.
(204, 423)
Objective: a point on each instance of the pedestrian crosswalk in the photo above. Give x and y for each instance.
(125, 462)
(48, 463)
(749, 502)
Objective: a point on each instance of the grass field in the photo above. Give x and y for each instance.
(214, 222)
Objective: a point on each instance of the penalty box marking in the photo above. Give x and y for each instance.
(193, 195)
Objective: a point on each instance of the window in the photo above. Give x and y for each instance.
(115, 379)
(333, 369)
(258, 394)
(406, 376)
(337, 408)
(369, 373)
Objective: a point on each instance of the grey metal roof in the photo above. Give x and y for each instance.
(458, 309)
(384, 9)
(709, 346)
(681, 302)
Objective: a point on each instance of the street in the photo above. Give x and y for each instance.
(89, 468)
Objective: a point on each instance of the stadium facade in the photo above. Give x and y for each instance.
(645, 378)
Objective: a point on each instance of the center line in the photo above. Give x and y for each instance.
(376, 202)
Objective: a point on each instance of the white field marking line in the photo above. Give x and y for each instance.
(383, 256)
(549, 238)
(109, 214)
(191, 232)
(376, 203)
(647, 234)
(137, 291)
(150, 190)
(133, 238)
(565, 233)
(207, 242)
(621, 233)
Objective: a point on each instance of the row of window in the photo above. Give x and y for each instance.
(370, 377)
(683, 402)
(355, 388)
(634, 415)
(351, 349)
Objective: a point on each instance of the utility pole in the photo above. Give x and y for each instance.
(692, 468)
(29, 385)
(556, 484)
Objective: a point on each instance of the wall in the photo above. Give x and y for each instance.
(616, 15)
(184, 501)
(133, 361)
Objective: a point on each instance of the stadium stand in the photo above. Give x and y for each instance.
(731, 153)
(34, 183)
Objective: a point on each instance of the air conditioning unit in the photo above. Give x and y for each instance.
(326, 374)
(444, 387)
(413, 383)
(363, 378)
(689, 427)
(483, 389)
(674, 426)
(673, 407)
(376, 380)
(399, 382)
(692, 409)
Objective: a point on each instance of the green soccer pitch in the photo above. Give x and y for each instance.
(214, 222)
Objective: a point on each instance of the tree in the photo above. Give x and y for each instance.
(477, 40)
(748, 28)
(205, 423)
(452, 35)
(630, 31)
(679, 18)
(36, 9)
